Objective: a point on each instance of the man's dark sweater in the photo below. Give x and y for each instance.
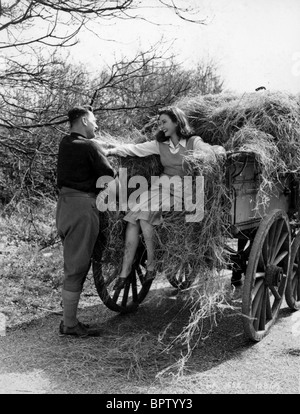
(81, 163)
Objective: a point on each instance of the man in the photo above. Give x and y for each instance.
(80, 164)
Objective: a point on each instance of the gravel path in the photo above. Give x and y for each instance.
(127, 357)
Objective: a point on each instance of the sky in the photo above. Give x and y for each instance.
(253, 42)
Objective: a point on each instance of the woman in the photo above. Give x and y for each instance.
(173, 141)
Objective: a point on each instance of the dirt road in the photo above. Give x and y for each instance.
(128, 357)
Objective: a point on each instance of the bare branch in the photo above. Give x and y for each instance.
(23, 16)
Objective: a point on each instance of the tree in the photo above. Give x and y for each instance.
(126, 96)
(59, 22)
(29, 29)
(205, 79)
(38, 86)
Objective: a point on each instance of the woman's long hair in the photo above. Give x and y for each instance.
(183, 128)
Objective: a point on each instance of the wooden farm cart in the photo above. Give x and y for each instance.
(267, 250)
(268, 245)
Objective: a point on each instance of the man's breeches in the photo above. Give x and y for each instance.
(77, 221)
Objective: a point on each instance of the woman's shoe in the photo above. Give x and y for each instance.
(120, 283)
(149, 276)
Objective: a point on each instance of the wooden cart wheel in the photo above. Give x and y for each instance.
(181, 275)
(121, 300)
(266, 275)
(292, 293)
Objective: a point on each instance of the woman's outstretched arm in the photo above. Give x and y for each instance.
(143, 149)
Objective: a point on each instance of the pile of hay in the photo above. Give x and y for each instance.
(269, 116)
(264, 123)
(200, 244)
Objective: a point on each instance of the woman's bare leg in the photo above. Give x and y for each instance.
(131, 244)
(148, 232)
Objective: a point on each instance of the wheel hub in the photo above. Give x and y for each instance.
(273, 275)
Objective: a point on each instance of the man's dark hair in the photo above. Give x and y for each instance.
(77, 112)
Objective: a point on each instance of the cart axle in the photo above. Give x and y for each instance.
(273, 275)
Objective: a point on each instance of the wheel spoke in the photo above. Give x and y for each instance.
(265, 252)
(258, 275)
(278, 233)
(279, 245)
(257, 314)
(262, 320)
(134, 290)
(140, 273)
(257, 300)
(125, 295)
(273, 234)
(268, 306)
(116, 295)
(280, 257)
(282, 286)
(275, 293)
(256, 288)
